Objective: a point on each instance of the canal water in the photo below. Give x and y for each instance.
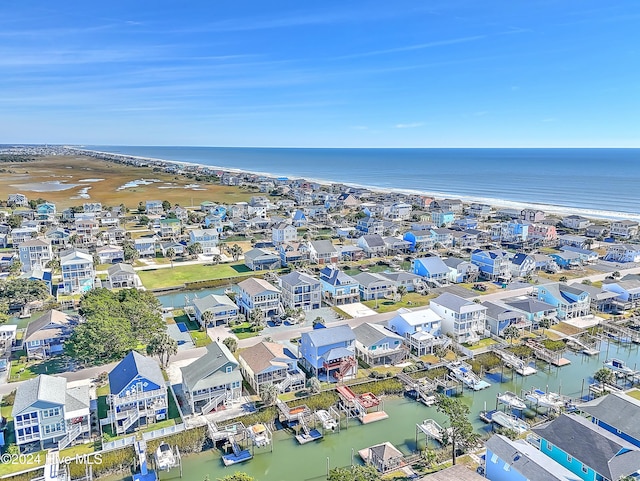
(291, 461)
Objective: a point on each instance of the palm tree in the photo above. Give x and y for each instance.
(510, 333)
(207, 317)
(171, 253)
(318, 321)
(401, 291)
(604, 376)
(231, 343)
(257, 319)
(195, 249)
(54, 265)
(269, 394)
(215, 259)
(16, 268)
(236, 252)
(164, 346)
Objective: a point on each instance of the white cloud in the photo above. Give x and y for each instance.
(411, 125)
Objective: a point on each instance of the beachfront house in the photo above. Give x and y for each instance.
(617, 413)
(461, 270)
(532, 215)
(207, 238)
(322, 252)
(214, 310)
(419, 240)
(510, 232)
(282, 233)
(46, 335)
(543, 234)
(431, 268)
(146, 246)
(271, 363)
(623, 253)
(570, 301)
(78, 273)
(624, 228)
(500, 316)
(329, 354)
(259, 259)
(123, 276)
(138, 393)
(337, 287)
(374, 286)
(420, 329)
(300, 290)
(212, 380)
(517, 460)
(257, 293)
(463, 319)
(47, 414)
(378, 346)
(587, 450)
(35, 254)
(575, 222)
(493, 264)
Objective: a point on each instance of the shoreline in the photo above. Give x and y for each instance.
(553, 209)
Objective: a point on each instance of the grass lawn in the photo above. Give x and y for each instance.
(102, 390)
(481, 344)
(567, 329)
(552, 335)
(29, 370)
(191, 325)
(412, 299)
(243, 331)
(167, 277)
(200, 339)
(634, 393)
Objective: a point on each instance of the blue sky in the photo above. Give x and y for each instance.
(450, 73)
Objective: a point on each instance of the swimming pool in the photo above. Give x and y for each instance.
(182, 326)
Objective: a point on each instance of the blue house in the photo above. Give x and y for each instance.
(493, 264)
(570, 301)
(432, 268)
(508, 460)
(586, 255)
(500, 317)
(440, 218)
(419, 240)
(376, 345)
(46, 212)
(138, 393)
(567, 259)
(628, 290)
(337, 287)
(329, 354)
(618, 413)
(299, 219)
(587, 450)
(467, 223)
(533, 309)
(370, 225)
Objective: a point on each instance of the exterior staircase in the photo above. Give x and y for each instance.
(214, 402)
(131, 418)
(71, 436)
(289, 381)
(346, 365)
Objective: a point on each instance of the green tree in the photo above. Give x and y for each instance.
(231, 343)
(604, 376)
(101, 339)
(429, 456)
(616, 274)
(14, 221)
(460, 431)
(510, 333)
(257, 319)
(236, 252)
(439, 351)
(401, 291)
(171, 254)
(318, 321)
(54, 265)
(22, 291)
(163, 346)
(166, 205)
(16, 268)
(545, 323)
(194, 249)
(215, 259)
(130, 252)
(4, 312)
(269, 394)
(355, 473)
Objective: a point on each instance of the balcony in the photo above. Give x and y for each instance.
(139, 396)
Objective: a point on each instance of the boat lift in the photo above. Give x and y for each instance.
(431, 430)
(515, 363)
(144, 474)
(175, 457)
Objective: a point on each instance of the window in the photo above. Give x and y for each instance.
(506, 467)
(47, 413)
(585, 469)
(494, 458)
(228, 369)
(549, 446)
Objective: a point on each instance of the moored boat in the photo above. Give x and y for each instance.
(619, 366)
(512, 400)
(543, 399)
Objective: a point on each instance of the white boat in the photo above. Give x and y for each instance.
(428, 400)
(463, 372)
(165, 457)
(619, 366)
(543, 399)
(327, 421)
(510, 399)
(509, 421)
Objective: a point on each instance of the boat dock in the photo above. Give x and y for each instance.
(544, 354)
(366, 407)
(505, 420)
(587, 349)
(301, 420)
(423, 388)
(237, 454)
(144, 474)
(514, 362)
(431, 430)
(620, 334)
(260, 435)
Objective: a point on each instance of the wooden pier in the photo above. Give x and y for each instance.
(620, 334)
(514, 362)
(544, 354)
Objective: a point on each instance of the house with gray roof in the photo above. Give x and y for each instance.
(338, 287)
(260, 259)
(300, 290)
(123, 276)
(212, 380)
(533, 309)
(569, 300)
(214, 310)
(376, 345)
(138, 393)
(256, 293)
(372, 244)
(586, 449)
(627, 291)
(374, 286)
(271, 363)
(463, 319)
(48, 414)
(617, 413)
(461, 270)
(329, 354)
(601, 299)
(322, 252)
(46, 335)
(501, 316)
(403, 279)
(35, 254)
(519, 461)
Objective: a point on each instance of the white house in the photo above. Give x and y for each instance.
(283, 233)
(463, 319)
(78, 274)
(34, 254)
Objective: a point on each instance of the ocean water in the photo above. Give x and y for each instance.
(600, 182)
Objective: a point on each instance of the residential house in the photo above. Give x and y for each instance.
(532, 215)
(598, 231)
(299, 219)
(376, 345)
(269, 363)
(179, 248)
(374, 286)
(479, 210)
(370, 225)
(114, 235)
(110, 254)
(624, 228)
(452, 205)
(570, 301)
(35, 253)
(45, 336)
(533, 309)
(461, 270)
(421, 329)
(601, 299)
(322, 252)
(43, 275)
(123, 276)
(499, 317)
(329, 354)
(432, 268)
(86, 230)
(627, 291)
(17, 200)
(146, 246)
(257, 293)
(23, 234)
(620, 253)
(78, 273)
(212, 380)
(587, 450)
(493, 264)
(442, 218)
(586, 256)
(465, 239)
(214, 310)
(419, 240)
(94, 207)
(338, 288)
(544, 234)
(260, 259)
(403, 279)
(283, 233)
(110, 218)
(294, 253)
(385, 457)
(154, 207)
(58, 236)
(463, 319)
(170, 228)
(214, 222)
(373, 245)
(567, 259)
(300, 290)
(571, 240)
(207, 238)
(617, 413)
(517, 460)
(49, 414)
(399, 211)
(138, 393)
(395, 245)
(576, 222)
(348, 200)
(46, 212)
(181, 213)
(522, 265)
(510, 232)
(442, 237)
(466, 223)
